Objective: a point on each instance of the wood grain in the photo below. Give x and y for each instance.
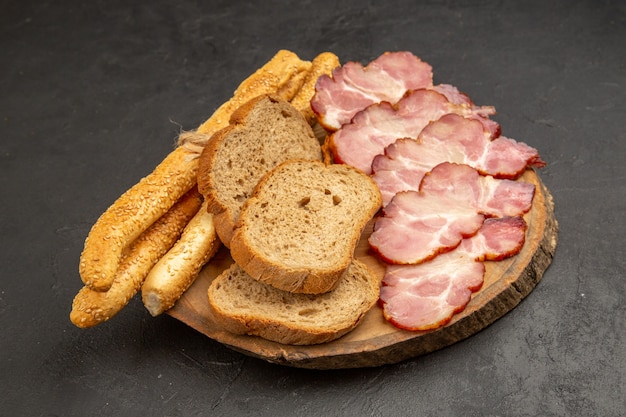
(375, 342)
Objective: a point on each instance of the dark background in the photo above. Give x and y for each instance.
(92, 97)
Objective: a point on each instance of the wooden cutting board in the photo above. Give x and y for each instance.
(375, 342)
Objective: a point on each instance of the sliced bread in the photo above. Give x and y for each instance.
(244, 305)
(262, 133)
(299, 229)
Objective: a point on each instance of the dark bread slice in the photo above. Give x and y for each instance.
(299, 229)
(263, 132)
(243, 305)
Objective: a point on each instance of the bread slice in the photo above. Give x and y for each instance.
(262, 133)
(299, 229)
(243, 305)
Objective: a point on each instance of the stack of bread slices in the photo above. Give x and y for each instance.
(291, 223)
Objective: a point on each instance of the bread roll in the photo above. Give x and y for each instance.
(179, 267)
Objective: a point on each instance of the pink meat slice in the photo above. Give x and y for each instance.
(379, 125)
(487, 195)
(451, 204)
(352, 87)
(426, 296)
(451, 138)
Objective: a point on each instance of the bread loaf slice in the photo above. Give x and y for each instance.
(299, 229)
(262, 133)
(244, 305)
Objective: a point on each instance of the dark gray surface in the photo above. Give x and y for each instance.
(92, 96)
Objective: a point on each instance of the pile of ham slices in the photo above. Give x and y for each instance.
(447, 176)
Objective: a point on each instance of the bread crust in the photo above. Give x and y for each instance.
(295, 280)
(90, 307)
(306, 278)
(222, 218)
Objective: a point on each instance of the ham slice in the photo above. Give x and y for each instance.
(426, 296)
(353, 87)
(451, 204)
(451, 138)
(379, 125)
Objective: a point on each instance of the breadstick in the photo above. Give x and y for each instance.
(131, 214)
(148, 200)
(322, 64)
(179, 267)
(93, 307)
(284, 74)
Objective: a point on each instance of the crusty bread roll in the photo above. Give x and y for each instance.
(179, 267)
(263, 132)
(90, 307)
(299, 229)
(243, 305)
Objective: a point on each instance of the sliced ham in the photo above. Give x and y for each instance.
(379, 125)
(451, 138)
(447, 178)
(451, 203)
(426, 296)
(352, 87)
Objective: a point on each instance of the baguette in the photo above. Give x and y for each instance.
(243, 305)
(179, 267)
(299, 230)
(90, 307)
(153, 196)
(262, 133)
